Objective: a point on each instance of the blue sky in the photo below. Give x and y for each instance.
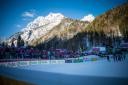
(15, 14)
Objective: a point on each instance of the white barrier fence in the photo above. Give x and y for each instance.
(37, 62)
(27, 63)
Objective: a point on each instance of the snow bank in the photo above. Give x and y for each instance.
(101, 72)
(97, 68)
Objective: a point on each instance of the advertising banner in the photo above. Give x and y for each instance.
(33, 62)
(68, 61)
(23, 63)
(43, 62)
(77, 60)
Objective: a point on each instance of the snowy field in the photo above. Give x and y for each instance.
(101, 72)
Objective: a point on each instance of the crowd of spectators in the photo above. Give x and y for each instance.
(8, 52)
(35, 53)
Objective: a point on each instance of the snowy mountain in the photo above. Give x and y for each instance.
(43, 28)
(40, 26)
(88, 18)
(42, 21)
(66, 30)
(55, 30)
(108, 29)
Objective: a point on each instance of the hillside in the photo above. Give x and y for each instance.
(111, 27)
(114, 21)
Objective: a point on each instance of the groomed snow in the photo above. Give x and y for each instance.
(95, 68)
(90, 73)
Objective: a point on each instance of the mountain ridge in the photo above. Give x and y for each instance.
(108, 29)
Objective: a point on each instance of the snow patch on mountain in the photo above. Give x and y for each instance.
(88, 18)
(40, 26)
(41, 20)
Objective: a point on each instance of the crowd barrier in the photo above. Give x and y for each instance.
(27, 63)
(37, 62)
(80, 59)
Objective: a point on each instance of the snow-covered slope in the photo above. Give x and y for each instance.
(45, 28)
(88, 18)
(40, 26)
